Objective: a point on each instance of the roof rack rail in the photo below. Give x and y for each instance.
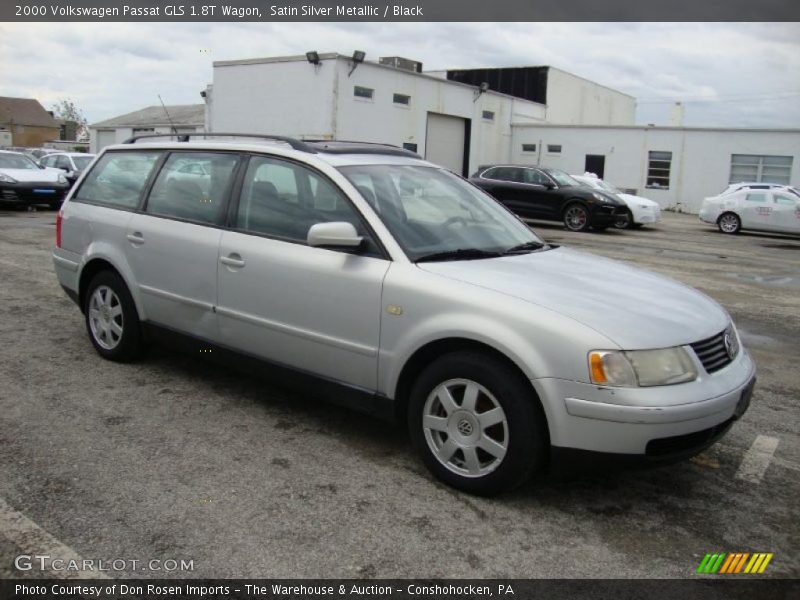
(356, 147)
(184, 137)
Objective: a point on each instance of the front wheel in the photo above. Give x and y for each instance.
(111, 318)
(576, 217)
(477, 423)
(729, 223)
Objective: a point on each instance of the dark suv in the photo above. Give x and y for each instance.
(551, 195)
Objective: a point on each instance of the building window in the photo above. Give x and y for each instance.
(488, 115)
(554, 148)
(529, 147)
(658, 167)
(401, 99)
(769, 169)
(364, 93)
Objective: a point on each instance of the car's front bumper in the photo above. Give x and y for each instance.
(606, 216)
(30, 194)
(646, 216)
(709, 215)
(652, 423)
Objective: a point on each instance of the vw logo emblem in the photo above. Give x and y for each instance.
(465, 427)
(730, 344)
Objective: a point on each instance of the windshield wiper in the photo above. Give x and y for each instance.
(459, 254)
(525, 247)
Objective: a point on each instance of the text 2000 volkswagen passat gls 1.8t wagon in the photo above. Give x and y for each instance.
(405, 290)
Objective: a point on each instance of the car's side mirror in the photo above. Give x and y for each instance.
(550, 185)
(339, 234)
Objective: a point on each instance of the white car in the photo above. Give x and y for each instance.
(751, 185)
(775, 209)
(641, 211)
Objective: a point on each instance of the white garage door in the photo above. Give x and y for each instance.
(444, 141)
(105, 138)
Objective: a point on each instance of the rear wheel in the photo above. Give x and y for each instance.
(729, 223)
(576, 217)
(476, 423)
(111, 318)
(625, 223)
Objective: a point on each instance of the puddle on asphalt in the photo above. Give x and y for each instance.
(773, 280)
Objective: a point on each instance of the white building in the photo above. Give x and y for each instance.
(675, 166)
(452, 123)
(184, 118)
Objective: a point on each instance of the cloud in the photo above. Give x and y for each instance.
(729, 74)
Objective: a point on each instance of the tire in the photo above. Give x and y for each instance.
(729, 223)
(516, 437)
(576, 217)
(627, 223)
(111, 318)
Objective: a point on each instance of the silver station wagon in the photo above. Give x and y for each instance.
(386, 283)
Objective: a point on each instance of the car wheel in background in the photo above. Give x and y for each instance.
(111, 318)
(729, 223)
(576, 217)
(627, 222)
(477, 423)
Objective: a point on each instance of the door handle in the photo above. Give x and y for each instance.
(135, 238)
(232, 260)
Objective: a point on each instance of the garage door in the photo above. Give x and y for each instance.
(444, 141)
(105, 138)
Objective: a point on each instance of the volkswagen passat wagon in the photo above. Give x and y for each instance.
(397, 287)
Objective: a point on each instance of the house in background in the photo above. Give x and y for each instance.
(180, 118)
(25, 122)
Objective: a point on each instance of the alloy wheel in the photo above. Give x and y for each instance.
(729, 223)
(576, 218)
(105, 317)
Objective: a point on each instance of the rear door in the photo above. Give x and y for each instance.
(172, 245)
(786, 212)
(309, 308)
(755, 209)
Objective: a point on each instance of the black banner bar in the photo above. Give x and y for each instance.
(704, 587)
(398, 10)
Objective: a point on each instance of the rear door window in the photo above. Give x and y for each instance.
(118, 179)
(192, 186)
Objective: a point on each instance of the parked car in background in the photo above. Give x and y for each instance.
(551, 195)
(393, 285)
(641, 211)
(39, 153)
(71, 163)
(24, 183)
(773, 209)
(754, 185)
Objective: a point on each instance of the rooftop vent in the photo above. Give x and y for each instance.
(399, 62)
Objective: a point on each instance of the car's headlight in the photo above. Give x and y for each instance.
(62, 179)
(600, 197)
(643, 368)
(7, 178)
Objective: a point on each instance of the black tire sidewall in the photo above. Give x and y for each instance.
(628, 224)
(130, 345)
(526, 422)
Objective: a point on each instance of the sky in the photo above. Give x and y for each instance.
(727, 74)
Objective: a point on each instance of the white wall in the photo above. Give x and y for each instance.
(123, 133)
(701, 158)
(292, 97)
(577, 101)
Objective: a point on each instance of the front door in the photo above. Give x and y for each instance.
(785, 212)
(756, 210)
(309, 308)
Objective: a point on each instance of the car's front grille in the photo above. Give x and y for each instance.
(713, 352)
(28, 196)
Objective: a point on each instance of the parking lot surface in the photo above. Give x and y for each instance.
(175, 458)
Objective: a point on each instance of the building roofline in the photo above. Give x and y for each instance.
(595, 83)
(657, 128)
(337, 56)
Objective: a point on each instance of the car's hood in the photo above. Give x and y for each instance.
(43, 175)
(639, 200)
(634, 308)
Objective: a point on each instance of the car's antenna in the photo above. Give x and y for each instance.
(175, 131)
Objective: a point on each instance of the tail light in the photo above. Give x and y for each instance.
(58, 229)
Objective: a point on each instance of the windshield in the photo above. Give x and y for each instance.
(430, 211)
(16, 161)
(562, 177)
(81, 162)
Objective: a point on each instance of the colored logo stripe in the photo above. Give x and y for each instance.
(734, 562)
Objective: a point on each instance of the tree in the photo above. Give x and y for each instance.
(67, 110)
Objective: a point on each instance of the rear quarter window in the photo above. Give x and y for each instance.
(118, 179)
